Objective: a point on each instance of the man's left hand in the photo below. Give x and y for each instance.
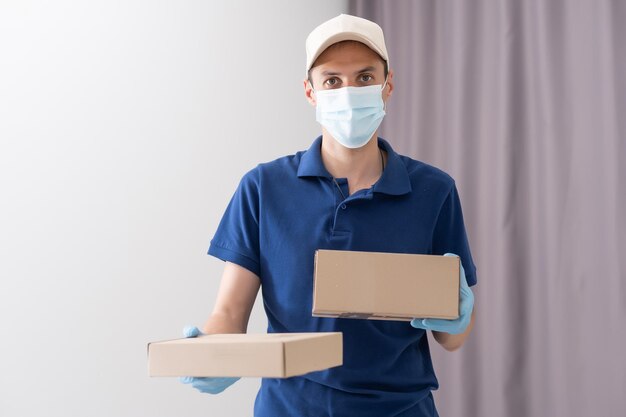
(466, 305)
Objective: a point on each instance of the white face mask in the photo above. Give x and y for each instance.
(351, 114)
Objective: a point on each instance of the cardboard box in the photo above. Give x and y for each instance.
(385, 286)
(273, 355)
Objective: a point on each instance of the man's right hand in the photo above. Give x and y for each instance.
(206, 385)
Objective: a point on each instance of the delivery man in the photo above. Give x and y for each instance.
(349, 191)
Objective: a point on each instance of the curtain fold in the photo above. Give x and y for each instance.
(524, 104)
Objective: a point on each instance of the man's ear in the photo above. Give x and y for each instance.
(308, 93)
(389, 87)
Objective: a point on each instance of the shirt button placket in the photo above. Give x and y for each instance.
(338, 185)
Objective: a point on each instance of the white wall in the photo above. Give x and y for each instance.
(125, 127)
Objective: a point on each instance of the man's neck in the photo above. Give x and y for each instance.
(361, 166)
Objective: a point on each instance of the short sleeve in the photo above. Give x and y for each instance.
(237, 237)
(449, 234)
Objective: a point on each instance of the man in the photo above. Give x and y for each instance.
(351, 191)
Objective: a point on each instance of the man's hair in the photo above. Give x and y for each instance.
(386, 70)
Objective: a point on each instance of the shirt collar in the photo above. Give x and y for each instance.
(395, 179)
(311, 164)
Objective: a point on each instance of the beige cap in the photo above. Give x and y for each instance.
(345, 28)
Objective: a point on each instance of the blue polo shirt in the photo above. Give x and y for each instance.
(281, 213)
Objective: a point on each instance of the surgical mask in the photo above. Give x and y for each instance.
(351, 114)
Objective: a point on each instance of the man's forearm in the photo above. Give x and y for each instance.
(235, 298)
(223, 323)
(451, 342)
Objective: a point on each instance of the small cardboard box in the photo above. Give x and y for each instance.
(385, 286)
(272, 355)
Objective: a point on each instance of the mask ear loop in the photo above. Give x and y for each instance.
(381, 91)
(312, 88)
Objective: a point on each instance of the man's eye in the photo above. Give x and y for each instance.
(332, 82)
(366, 78)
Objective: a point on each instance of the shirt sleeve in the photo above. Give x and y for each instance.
(237, 237)
(449, 234)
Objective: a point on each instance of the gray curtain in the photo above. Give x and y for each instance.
(523, 102)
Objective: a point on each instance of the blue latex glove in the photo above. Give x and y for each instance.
(206, 385)
(466, 305)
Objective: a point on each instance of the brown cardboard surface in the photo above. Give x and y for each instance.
(273, 355)
(385, 286)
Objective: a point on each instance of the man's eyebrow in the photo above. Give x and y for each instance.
(366, 69)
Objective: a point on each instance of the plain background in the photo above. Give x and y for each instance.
(125, 127)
